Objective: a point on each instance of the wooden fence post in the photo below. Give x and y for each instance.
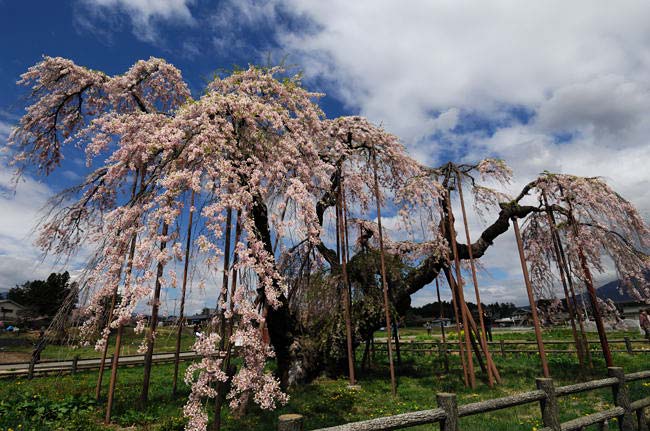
(444, 350)
(449, 404)
(30, 372)
(622, 398)
(628, 345)
(548, 405)
(290, 422)
(503, 347)
(75, 361)
(640, 417)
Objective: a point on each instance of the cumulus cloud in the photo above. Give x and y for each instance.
(144, 15)
(547, 86)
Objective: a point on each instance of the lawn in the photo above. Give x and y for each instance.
(165, 342)
(63, 402)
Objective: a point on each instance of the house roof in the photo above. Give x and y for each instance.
(9, 301)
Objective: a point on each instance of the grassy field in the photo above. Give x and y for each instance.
(64, 402)
(165, 342)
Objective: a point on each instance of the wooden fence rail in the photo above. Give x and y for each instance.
(629, 414)
(76, 364)
(505, 346)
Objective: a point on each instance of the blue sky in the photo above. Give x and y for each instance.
(545, 85)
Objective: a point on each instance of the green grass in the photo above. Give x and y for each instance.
(165, 342)
(64, 401)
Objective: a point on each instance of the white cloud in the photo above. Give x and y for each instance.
(19, 258)
(143, 14)
(578, 70)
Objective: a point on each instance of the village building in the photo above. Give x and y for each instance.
(10, 311)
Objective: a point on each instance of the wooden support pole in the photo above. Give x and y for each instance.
(153, 324)
(531, 300)
(445, 358)
(454, 303)
(472, 325)
(102, 364)
(393, 381)
(442, 314)
(120, 327)
(595, 309)
(569, 279)
(347, 306)
(223, 295)
(218, 403)
(461, 295)
(572, 313)
(181, 313)
(482, 335)
(225, 329)
(455, 307)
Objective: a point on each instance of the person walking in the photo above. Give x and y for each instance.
(644, 321)
(487, 321)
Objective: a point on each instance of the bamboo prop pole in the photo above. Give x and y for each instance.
(442, 328)
(455, 307)
(567, 271)
(102, 364)
(441, 312)
(223, 295)
(393, 382)
(120, 327)
(461, 296)
(531, 300)
(181, 315)
(473, 326)
(346, 284)
(347, 238)
(555, 238)
(218, 403)
(602, 335)
(595, 308)
(151, 335)
(482, 335)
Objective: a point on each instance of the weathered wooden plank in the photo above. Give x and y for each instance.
(641, 375)
(290, 422)
(586, 386)
(500, 403)
(403, 420)
(592, 419)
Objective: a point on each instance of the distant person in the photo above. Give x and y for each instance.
(428, 327)
(487, 321)
(644, 321)
(197, 330)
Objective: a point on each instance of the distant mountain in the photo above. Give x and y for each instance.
(611, 291)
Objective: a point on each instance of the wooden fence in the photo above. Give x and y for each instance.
(629, 413)
(625, 345)
(76, 364)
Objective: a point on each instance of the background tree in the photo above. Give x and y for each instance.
(46, 297)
